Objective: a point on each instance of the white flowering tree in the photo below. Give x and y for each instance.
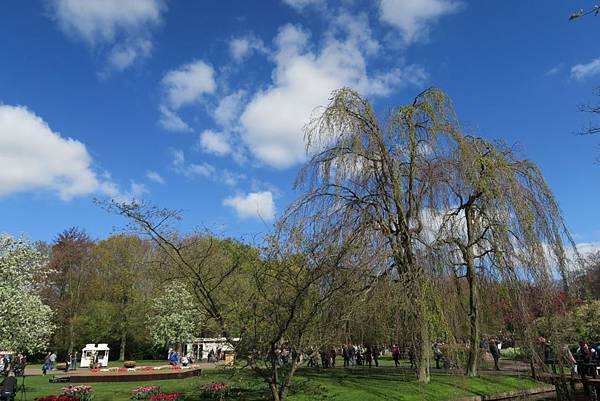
(26, 321)
(175, 318)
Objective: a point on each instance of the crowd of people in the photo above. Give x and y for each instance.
(351, 355)
(12, 364)
(176, 358)
(217, 355)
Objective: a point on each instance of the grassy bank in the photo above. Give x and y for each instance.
(358, 384)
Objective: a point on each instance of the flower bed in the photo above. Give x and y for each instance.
(165, 397)
(144, 392)
(84, 393)
(61, 397)
(215, 390)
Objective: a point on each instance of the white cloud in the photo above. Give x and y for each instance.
(413, 18)
(357, 30)
(122, 56)
(137, 190)
(586, 248)
(300, 4)
(272, 121)
(188, 83)
(232, 179)
(583, 71)
(554, 70)
(252, 205)
(192, 169)
(184, 86)
(33, 157)
(155, 177)
(124, 25)
(241, 48)
(214, 142)
(229, 108)
(170, 121)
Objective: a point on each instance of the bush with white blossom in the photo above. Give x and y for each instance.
(27, 322)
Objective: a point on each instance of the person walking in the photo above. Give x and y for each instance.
(352, 354)
(74, 361)
(346, 356)
(412, 358)
(437, 353)
(47, 362)
(495, 353)
(396, 355)
(376, 356)
(369, 356)
(333, 355)
(52, 360)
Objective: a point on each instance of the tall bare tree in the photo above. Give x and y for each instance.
(264, 303)
(70, 271)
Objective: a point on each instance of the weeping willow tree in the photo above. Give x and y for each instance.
(376, 178)
(498, 213)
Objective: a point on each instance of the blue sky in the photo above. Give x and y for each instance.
(199, 105)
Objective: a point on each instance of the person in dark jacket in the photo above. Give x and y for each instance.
(495, 353)
(376, 356)
(437, 353)
(412, 358)
(8, 391)
(369, 356)
(346, 356)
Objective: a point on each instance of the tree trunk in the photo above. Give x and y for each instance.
(71, 336)
(424, 355)
(473, 317)
(274, 392)
(473, 297)
(123, 344)
(424, 345)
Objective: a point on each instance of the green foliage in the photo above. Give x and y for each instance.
(586, 321)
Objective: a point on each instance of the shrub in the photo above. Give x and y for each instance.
(516, 354)
(129, 364)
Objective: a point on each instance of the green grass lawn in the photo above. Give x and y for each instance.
(355, 384)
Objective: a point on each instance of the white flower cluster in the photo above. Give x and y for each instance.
(26, 321)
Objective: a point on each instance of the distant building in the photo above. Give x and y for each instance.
(200, 347)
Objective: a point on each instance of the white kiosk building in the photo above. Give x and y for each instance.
(90, 350)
